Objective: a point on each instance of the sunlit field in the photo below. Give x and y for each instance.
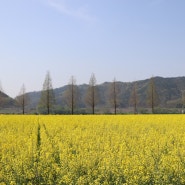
(127, 149)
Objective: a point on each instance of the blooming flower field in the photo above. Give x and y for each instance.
(127, 149)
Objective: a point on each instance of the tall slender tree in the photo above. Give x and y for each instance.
(114, 95)
(47, 98)
(92, 93)
(71, 94)
(134, 98)
(23, 98)
(153, 98)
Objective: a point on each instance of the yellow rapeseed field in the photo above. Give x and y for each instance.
(125, 149)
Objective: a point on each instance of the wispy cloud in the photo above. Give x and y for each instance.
(80, 12)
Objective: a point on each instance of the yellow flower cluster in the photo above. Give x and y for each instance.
(125, 149)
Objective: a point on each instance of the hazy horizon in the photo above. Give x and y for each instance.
(37, 90)
(126, 39)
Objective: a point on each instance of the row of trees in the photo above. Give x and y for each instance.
(47, 98)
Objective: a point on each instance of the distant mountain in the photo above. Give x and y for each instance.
(169, 92)
(6, 103)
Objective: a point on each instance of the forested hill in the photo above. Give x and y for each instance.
(169, 91)
(6, 102)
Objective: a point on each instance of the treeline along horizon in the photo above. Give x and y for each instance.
(112, 98)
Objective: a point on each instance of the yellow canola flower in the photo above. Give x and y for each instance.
(101, 149)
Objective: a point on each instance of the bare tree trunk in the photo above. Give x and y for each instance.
(153, 98)
(92, 94)
(23, 108)
(22, 99)
(47, 98)
(114, 95)
(134, 98)
(48, 105)
(71, 95)
(93, 100)
(72, 98)
(115, 102)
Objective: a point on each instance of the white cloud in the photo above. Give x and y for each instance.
(80, 12)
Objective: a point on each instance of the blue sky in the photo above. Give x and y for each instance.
(127, 39)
